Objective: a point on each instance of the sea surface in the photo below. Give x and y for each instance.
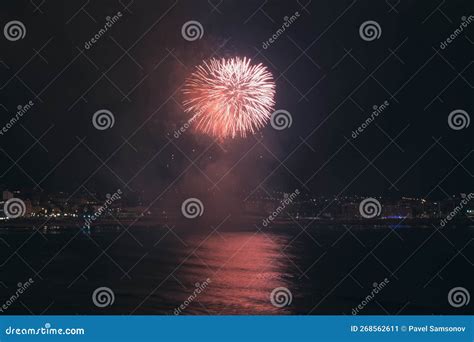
(314, 269)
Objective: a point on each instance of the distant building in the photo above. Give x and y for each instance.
(350, 210)
(470, 213)
(396, 211)
(132, 212)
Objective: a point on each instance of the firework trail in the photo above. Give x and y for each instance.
(229, 97)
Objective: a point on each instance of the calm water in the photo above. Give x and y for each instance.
(152, 270)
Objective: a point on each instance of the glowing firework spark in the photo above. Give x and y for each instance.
(229, 97)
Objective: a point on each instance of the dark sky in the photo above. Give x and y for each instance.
(327, 77)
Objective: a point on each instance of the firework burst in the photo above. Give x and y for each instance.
(229, 97)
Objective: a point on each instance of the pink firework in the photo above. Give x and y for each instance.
(229, 97)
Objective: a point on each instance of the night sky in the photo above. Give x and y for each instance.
(327, 77)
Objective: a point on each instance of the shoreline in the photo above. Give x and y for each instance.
(45, 223)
